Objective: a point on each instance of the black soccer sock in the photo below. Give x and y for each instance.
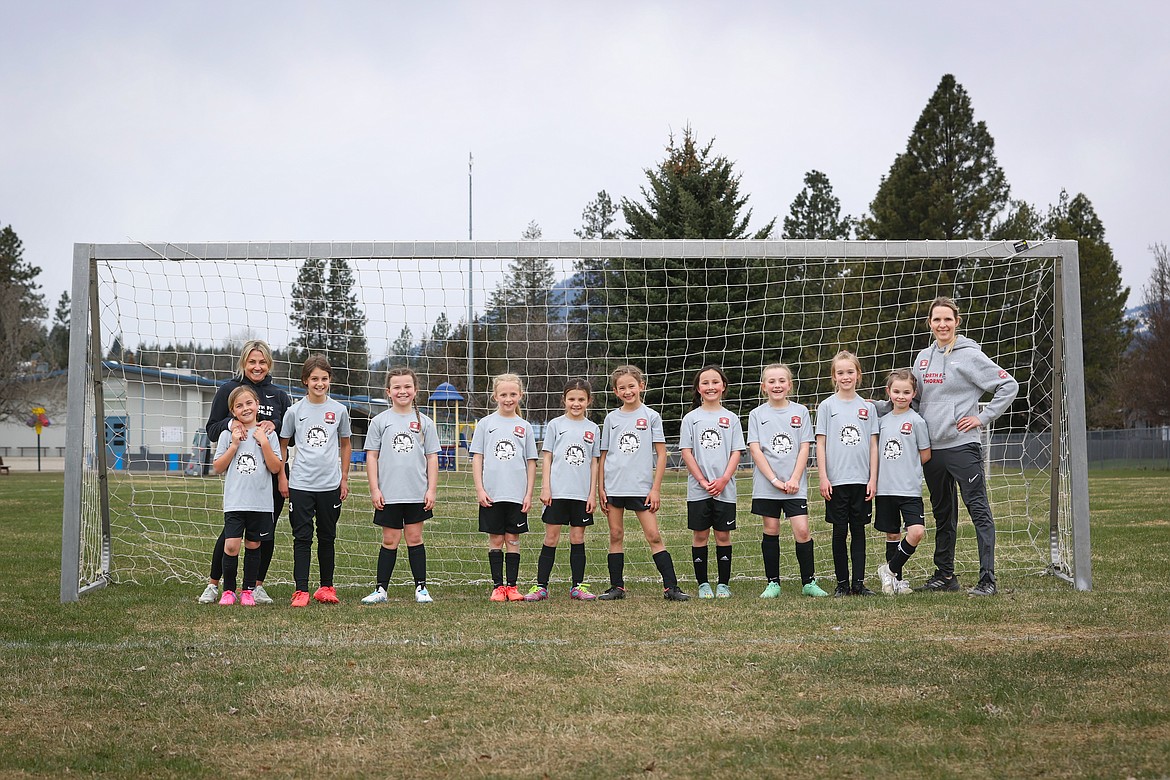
(512, 568)
(231, 567)
(901, 555)
(417, 555)
(267, 547)
(723, 563)
(699, 559)
(326, 560)
(251, 567)
(841, 552)
(770, 549)
(386, 560)
(544, 564)
(577, 563)
(496, 565)
(665, 565)
(891, 548)
(617, 565)
(302, 555)
(804, 559)
(857, 550)
(217, 558)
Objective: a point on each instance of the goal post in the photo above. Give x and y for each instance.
(156, 327)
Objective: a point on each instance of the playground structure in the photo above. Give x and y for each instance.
(445, 403)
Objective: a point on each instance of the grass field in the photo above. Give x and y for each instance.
(1041, 681)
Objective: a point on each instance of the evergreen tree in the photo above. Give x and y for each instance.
(22, 310)
(598, 217)
(310, 309)
(402, 350)
(330, 322)
(816, 212)
(1147, 377)
(57, 345)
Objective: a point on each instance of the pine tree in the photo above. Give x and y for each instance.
(22, 311)
(402, 351)
(310, 309)
(57, 345)
(330, 322)
(1147, 380)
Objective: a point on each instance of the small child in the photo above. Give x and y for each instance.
(711, 444)
(318, 481)
(572, 445)
(779, 436)
(402, 463)
(633, 464)
(247, 491)
(899, 485)
(503, 466)
(847, 433)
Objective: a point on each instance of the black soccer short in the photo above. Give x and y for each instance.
(634, 503)
(777, 507)
(398, 515)
(253, 526)
(710, 513)
(848, 505)
(567, 511)
(891, 511)
(502, 517)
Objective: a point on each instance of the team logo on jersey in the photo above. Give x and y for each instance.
(1003, 374)
(246, 464)
(505, 450)
(641, 424)
(403, 442)
(863, 413)
(331, 417)
(710, 439)
(588, 437)
(850, 436)
(922, 364)
(575, 455)
(724, 422)
(782, 444)
(518, 431)
(907, 429)
(796, 422)
(629, 443)
(415, 426)
(316, 436)
(892, 450)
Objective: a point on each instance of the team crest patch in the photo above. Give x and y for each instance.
(796, 421)
(518, 431)
(724, 422)
(330, 417)
(907, 428)
(415, 426)
(863, 413)
(641, 424)
(1003, 374)
(588, 437)
(922, 364)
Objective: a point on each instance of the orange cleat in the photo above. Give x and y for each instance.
(300, 598)
(326, 594)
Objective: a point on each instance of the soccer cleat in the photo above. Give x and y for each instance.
(581, 593)
(261, 595)
(513, 593)
(841, 590)
(326, 594)
(940, 584)
(814, 590)
(499, 593)
(615, 593)
(210, 594)
(902, 588)
(247, 599)
(227, 599)
(859, 589)
(422, 595)
(705, 591)
(536, 593)
(300, 599)
(887, 578)
(379, 596)
(674, 594)
(772, 591)
(722, 591)
(986, 587)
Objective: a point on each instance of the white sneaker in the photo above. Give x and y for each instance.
(260, 595)
(422, 596)
(887, 578)
(902, 588)
(377, 597)
(210, 594)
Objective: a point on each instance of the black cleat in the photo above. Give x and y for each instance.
(859, 589)
(986, 587)
(842, 590)
(615, 593)
(940, 584)
(674, 594)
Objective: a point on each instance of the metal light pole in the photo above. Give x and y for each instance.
(470, 295)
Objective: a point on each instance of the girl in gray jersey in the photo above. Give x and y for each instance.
(402, 465)
(572, 446)
(779, 437)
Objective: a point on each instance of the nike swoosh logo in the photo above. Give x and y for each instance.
(302, 419)
(765, 422)
(973, 478)
(492, 430)
(263, 535)
(337, 506)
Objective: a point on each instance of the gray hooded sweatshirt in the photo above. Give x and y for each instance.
(950, 386)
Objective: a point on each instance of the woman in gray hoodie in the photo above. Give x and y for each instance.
(953, 375)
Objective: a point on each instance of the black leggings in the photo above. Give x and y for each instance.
(266, 547)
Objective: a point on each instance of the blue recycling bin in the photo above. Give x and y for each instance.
(173, 461)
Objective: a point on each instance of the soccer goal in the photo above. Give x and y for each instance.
(156, 328)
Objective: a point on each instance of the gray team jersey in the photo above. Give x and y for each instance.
(900, 437)
(247, 484)
(847, 427)
(314, 430)
(402, 442)
(507, 444)
(711, 437)
(779, 432)
(628, 440)
(573, 444)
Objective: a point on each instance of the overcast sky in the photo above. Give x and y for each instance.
(185, 121)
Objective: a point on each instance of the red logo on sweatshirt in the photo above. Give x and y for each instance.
(1003, 374)
(923, 363)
